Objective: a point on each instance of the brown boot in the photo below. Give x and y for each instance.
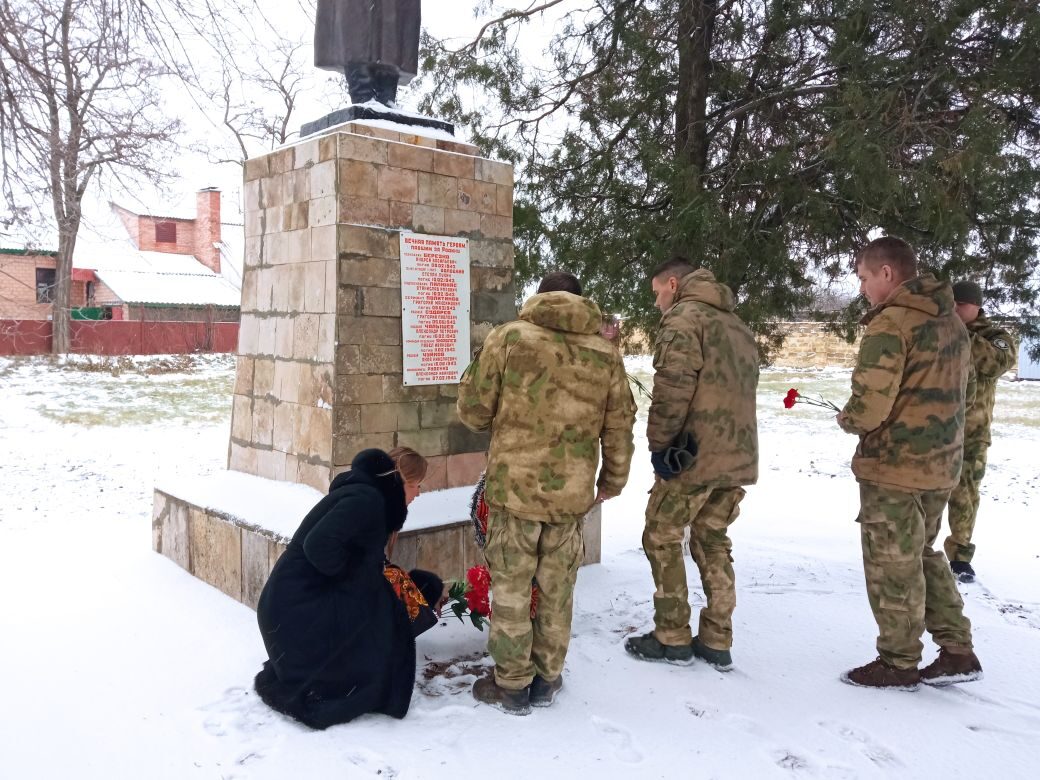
(878, 674)
(950, 668)
(486, 690)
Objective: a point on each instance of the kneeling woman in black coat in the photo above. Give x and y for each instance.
(341, 642)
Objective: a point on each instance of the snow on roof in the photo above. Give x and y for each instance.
(171, 289)
(276, 508)
(159, 204)
(148, 277)
(232, 251)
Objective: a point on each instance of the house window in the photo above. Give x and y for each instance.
(166, 232)
(46, 278)
(90, 293)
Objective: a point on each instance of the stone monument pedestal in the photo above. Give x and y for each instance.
(374, 111)
(320, 361)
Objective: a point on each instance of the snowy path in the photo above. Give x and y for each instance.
(120, 665)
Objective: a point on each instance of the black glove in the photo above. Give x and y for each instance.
(660, 468)
(670, 462)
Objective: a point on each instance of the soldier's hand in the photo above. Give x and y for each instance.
(604, 495)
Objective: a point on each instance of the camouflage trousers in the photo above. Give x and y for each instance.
(517, 550)
(909, 584)
(964, 505)
(708, 512)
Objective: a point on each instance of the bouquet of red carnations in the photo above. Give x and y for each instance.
(471, 597)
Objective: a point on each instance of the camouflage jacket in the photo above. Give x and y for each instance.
(908, 390)
(555, 396)
(993, 352)
(705, 379)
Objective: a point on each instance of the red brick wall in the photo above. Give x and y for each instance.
(207, 228)
(194, 236)
(131, 223)
(18, 287)
(185, 236)
(103, 294)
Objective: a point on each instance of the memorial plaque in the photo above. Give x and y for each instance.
(435, 299)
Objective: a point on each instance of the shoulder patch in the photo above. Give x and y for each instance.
(1001, 343)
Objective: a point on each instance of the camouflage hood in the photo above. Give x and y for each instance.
(554, 395)
(701, 286)
(925, 294)
(908, 390)
(705, 378)
(562, 311)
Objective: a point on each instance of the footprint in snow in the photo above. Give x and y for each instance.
(372, 762)
(699, 710)
(1017, 614)
(792, 762)
(877, 753)
(620, 738)
(238, 711)
(1021, 709)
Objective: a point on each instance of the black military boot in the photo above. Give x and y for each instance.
(648, 648)
(487, 691)
(722, 660)
(543, 691)
(950, 668)
(962, 571)
(878, 674)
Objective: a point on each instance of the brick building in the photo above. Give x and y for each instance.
(175, 267)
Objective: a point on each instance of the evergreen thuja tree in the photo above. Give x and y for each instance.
(764, 140)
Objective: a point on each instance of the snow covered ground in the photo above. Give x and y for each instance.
(118, 664)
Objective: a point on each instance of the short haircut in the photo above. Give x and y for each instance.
(891, 251)
(677, 266)
(560, 281)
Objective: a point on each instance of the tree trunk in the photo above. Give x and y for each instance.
(61, 308)
(696, 27)
(696, 30)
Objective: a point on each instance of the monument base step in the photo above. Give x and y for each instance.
(229, 529)
(374, 111)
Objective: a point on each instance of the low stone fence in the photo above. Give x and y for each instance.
(809, 345)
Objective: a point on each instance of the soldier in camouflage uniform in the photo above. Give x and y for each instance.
(555, 396)
(993, 352)
(907, 407)
(703, 437)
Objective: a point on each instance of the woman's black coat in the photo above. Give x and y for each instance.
(339, 641)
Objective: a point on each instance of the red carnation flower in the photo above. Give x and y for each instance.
(793, 397)
(478, 596)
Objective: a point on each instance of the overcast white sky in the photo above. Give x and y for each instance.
(446, 19)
